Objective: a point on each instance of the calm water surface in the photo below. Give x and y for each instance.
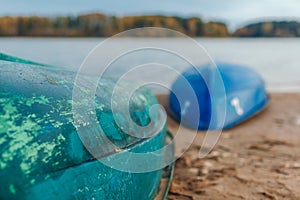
(277, 60)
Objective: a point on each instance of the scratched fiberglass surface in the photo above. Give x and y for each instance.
(42, 156)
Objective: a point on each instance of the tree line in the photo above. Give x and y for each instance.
(270, 29)
(100, 25)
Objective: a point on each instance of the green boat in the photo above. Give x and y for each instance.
(44, 157)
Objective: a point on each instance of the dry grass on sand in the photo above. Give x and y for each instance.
(259, 159)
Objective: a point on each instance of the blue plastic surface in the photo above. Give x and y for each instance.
(244, 89)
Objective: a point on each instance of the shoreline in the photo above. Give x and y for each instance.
(258, 159)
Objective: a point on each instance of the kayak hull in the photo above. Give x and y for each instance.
(244, 94)
(42, 155)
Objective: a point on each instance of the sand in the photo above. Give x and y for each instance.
(258, 159)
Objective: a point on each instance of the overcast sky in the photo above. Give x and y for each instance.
(233, 12)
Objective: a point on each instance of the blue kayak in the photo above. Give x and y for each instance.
(244, 95)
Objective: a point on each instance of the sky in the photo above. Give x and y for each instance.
(234, 13)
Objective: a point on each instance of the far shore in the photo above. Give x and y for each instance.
(93, 37)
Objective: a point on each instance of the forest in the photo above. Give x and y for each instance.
(101, 25)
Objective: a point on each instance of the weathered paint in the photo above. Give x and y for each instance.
(42, 156)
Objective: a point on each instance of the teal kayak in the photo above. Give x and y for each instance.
(42, 155)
